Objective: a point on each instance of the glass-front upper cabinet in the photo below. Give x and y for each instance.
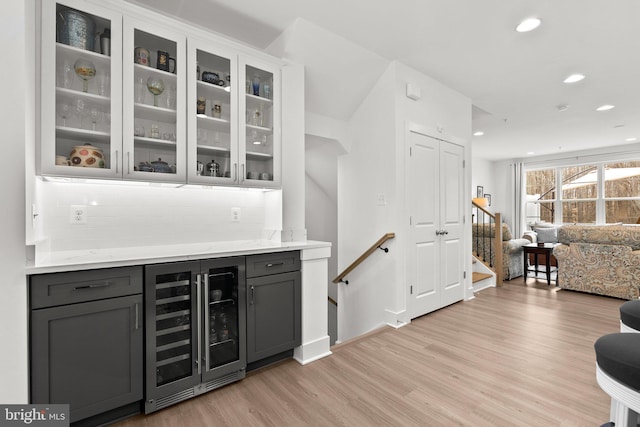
(212, 115)
(154, 84)
(81, 90)
(259, 140)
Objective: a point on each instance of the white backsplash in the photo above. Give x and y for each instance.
(124, 215)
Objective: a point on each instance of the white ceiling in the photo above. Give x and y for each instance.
(513, 79)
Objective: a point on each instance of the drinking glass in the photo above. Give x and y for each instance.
(156, 87)
(104, 82)
(66, 75)
(95, 115)
(256, 86)
(65, 109)
(266, 89)
(80, 112)
(86, 71)
(140, 90)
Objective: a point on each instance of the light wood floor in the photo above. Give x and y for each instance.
(515, 356)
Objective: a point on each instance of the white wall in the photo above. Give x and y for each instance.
(13, 303)
(376, 293)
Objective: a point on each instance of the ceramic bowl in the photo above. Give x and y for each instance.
(87, 156)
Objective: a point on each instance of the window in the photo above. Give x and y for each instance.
(622, 192)
(541, 195)
(579, 193)
(594, 193)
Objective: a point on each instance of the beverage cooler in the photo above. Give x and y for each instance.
(195, 328)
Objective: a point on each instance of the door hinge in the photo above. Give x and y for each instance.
(464, 274)
(411, 289)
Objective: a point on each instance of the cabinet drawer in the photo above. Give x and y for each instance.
(48, 290)
(274, 263)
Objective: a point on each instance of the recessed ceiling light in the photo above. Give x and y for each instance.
(528, 25)
(605, 107)
(478, 133)
(574, 78)
(631, 139)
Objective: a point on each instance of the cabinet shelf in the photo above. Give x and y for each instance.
(211, 149)
(216, 90)
(155, 142)
(74, 53)
(222, 301)
(217, 343)
(175, 329)
(171, 360)
(175, 344)
(257, 100)
(261, 129)
(166, 285)
(150, 112)
(178, 313)
(254, 155)
(173, 299)
(83, 135)
(70, 96)
(212, 123)
(150, 71)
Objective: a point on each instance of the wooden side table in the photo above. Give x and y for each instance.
(539, 249)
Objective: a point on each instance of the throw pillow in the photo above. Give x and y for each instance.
(547, 235)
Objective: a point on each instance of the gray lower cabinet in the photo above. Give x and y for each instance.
(87, 341)
(273, 304)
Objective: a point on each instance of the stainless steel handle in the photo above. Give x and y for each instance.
(235, 172)
(253, 291)
(128, 163)
(117, 161)
(207, 323)
(274, 264)
(137, 314)
(199, 313)
(92, 286)
(243, 174)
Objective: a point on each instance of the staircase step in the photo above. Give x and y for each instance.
(480, 276)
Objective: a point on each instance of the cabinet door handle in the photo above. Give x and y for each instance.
(137, 314)
(117, 161)
(274, 264)
(235, 172)
(253, 291)
(199, 316)
(207, 323)
(242, 175)
(128, 163)
(92, 286)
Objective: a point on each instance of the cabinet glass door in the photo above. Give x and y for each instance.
(223, 340)
(154, 88)
(81, 90)
(260, 138)
(212, 115)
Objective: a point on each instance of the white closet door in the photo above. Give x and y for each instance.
(434, 191)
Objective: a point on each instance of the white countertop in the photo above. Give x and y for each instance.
(138, 255)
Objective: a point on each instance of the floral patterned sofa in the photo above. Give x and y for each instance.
(512, 252)
(602, 260)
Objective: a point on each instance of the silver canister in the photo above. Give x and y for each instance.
(75, 29)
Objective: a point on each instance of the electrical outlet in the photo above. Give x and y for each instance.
(235, 214)
(78, 214)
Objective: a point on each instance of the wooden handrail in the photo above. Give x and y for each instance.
(364, 256)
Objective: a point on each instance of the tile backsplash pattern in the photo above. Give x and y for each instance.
(145, 215)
